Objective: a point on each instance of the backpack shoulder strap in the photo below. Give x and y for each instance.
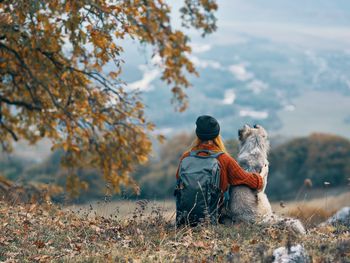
(217, 154)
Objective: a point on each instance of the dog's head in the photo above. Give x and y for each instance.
(257, 132)
(248, 131)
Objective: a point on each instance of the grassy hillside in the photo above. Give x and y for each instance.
(48, 233)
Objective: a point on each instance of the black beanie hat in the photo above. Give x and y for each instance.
(207, 127)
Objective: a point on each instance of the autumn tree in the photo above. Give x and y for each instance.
(54, 81)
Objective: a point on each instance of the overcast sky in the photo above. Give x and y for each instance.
(309, 23)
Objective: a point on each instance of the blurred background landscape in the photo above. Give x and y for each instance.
(281, 64)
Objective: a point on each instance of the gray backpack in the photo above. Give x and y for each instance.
(197, 190)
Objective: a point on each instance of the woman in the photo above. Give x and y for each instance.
(209, 144)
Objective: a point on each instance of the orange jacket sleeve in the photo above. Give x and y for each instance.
(236, 175)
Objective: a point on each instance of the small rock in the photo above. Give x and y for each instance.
(296, 254)
(341, 217)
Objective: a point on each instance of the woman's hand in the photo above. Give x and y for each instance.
(264, 171)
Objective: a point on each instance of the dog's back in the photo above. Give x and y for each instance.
(246, 204)
(243, 204)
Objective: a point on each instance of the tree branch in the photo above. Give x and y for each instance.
(13, 134)
(20, 103)
(2, 124)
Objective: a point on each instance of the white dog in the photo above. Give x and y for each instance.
(245, 204)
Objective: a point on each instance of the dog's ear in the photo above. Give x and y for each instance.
(261, 129)
(242, 133)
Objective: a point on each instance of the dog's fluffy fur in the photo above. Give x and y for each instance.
(245, 204)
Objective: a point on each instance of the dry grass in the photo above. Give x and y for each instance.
(310, 212)
(313, 212)
(143, 232)
(310, 216)
(125, 208)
